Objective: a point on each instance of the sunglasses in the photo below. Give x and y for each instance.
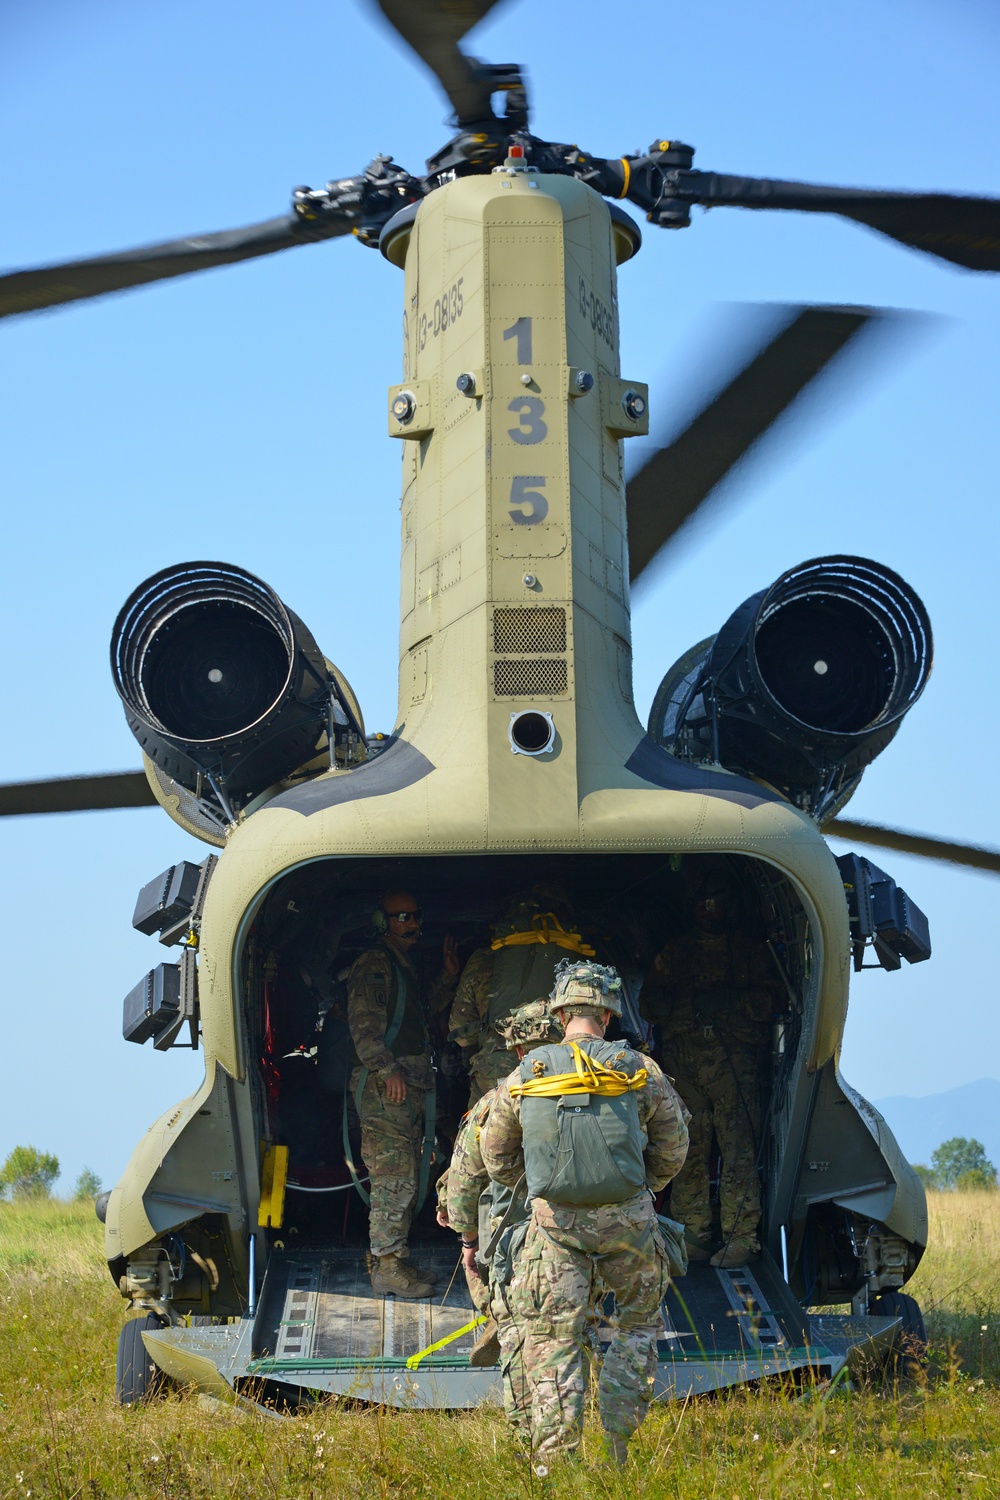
(406, 916)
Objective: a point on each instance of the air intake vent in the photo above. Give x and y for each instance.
(529, 630)
(516, 679)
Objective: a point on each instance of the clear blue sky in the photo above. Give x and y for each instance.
(240, 415)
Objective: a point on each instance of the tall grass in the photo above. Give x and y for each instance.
(61, 1434)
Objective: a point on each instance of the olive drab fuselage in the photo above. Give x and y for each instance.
(514, 601)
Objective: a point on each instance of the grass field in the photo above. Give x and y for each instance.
(62, 1435)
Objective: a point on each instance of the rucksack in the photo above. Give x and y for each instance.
(583, 1148)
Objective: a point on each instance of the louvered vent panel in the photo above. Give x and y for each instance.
(529, 630)
(515, 679)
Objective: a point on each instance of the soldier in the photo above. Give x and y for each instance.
(533, 936)
(712, 992)
(599, 1129)
(476, 1208)
(390, 1081)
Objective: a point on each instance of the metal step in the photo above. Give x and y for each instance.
(749, 1310)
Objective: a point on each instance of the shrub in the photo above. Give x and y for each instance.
(28, 1173)
(978, 1180)
(961, 1158)
(88, 1184)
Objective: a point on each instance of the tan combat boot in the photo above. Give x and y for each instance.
(486, 1350)
(393, 1277)
(736, 1253)
(696, 1248)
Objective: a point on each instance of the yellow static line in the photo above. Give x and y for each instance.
(414, 1359)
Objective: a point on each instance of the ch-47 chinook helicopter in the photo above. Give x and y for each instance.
(517, 755)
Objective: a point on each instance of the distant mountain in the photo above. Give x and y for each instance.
(920, 1125)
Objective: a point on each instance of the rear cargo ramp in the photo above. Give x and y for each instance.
(320, 1328)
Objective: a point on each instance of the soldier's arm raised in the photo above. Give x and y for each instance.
(369, 989)
(500, 1139)
(665, 1118)
(439, 996)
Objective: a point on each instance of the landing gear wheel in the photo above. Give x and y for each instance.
(909, 1352)
(137, 1378)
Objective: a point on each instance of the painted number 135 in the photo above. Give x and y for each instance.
(528, 505)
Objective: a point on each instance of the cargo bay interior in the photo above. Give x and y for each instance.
(298, 954)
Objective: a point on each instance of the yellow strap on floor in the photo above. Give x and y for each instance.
(414, 1359)
(590, 1077)
(541, 932)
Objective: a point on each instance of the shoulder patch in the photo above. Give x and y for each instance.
(538, 1067)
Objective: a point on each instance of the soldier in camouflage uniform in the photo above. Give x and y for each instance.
(467, 1202)
(452, 1210)
(534, 934)
(391, 1077)
(599, 1129)
(712, 992)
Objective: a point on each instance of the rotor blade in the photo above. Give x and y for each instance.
(972, 855)
(48, 286)
(665, 493)
(434, 28)
(76, 794)
(955, 227)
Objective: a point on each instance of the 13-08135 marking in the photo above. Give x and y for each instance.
(600, 315)
(447, 309)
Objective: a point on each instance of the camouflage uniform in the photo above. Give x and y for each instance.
(571, 1255)
(470, 1023)
(712, 996)
(467, 1180)
(391, 1134)
(490, 1061)
(459, 1188)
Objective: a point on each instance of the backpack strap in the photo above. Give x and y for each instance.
(589, 1077)
(541, 932)
(516, 1205)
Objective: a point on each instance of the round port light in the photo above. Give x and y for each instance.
(531, 733)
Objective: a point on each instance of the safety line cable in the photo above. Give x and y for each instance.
(589, 1077)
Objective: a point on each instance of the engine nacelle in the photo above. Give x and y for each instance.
(805, 683)
(223, 686)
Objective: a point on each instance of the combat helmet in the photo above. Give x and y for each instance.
(530, 1025)
(715, 900)
(586, 989)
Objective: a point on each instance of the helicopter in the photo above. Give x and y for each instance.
(429, 199)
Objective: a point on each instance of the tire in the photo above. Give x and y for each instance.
(909, 1352)
(137, 1378)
